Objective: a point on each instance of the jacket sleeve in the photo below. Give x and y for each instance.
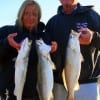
(4, 45)
(96, 40)
(49, 28)
(96, 28)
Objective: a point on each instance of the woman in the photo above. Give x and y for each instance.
(27, 25)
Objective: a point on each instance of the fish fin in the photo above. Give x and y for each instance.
(77, 87)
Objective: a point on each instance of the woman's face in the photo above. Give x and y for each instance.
(30, 17)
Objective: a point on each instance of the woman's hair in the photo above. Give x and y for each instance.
(22, 9)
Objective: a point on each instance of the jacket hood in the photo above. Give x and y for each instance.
(81, 9)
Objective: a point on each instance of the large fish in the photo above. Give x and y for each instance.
(21, 64)
(45, 74)
(73, 64)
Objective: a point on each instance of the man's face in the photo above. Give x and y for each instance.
(68, 2)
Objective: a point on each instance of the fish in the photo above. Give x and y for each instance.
(45, 73)
(72, 64)
(21, 65)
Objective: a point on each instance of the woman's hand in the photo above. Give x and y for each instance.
(86, 36)
(54, 46)
(12, 42)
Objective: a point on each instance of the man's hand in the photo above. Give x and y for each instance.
(54, 46)
(86, 36)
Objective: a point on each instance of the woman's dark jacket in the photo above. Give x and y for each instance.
(59, 28)
(8, 54)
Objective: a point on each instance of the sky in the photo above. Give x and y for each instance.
(9, 9)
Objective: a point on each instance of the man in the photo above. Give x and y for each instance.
(71, 15)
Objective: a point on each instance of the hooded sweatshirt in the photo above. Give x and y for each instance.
(59, 28)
